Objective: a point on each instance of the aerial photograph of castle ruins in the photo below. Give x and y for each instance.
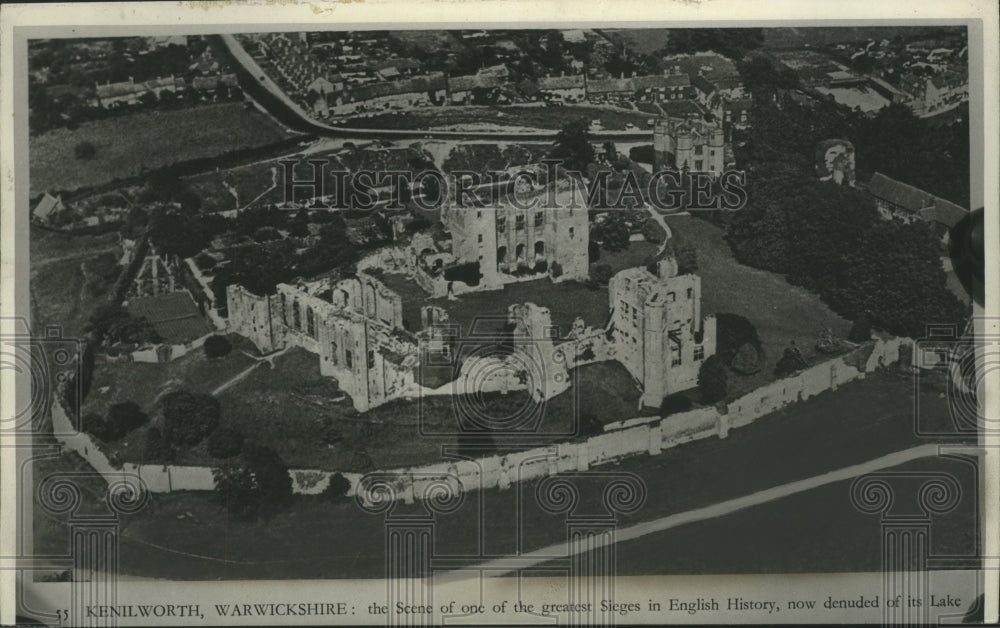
(296, 290)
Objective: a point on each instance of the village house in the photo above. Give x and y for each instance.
(898, 200)
(47, 208)
(572, 88)
(690, 143)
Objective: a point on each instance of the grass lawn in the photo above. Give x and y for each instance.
(187, 535)
(543, 118)
(70, 277)
(781, 312)
(638, 253)
(146, 383)
(128, 144)
(819, 531)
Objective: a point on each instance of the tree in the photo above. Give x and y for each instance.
(84, 150)
(121, 419)
(861, 330)
(257, 484)
(602, 274)
(189, 417)
(732, 331)
(112, 324)
(573, 145)
(687, 258)
(653, 231)
(175, 234)
(612, 233)
(713, 379)
(225, 442)
(217, 346)
(336, 490)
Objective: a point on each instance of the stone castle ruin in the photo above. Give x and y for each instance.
(355, 327)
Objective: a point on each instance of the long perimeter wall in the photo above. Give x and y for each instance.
(411, 483)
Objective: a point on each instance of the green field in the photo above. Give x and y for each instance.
(70, 277)
(129, 144)
(781, 312)
(819, 531)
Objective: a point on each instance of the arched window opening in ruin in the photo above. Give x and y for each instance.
(519, 252)
(310, 322)
(501, 255)
(539, 249)
(296, 316)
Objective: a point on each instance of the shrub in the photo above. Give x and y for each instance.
(747, 360)
(468, 274)
(189, 417)
(336, 491)
(612, 232)
(84, 150)
(653, 231)
(157, 448)
(732, 332)
(789, 363)
(602, 274)
(672, 404)
(643, 153)
(713, 380)
(256, 484)
(121, 419)
(687, 258)
(541, 266)
(556, 270)
(217, 346)
(225, 442)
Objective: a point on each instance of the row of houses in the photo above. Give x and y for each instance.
(335, 95)
(130, 92)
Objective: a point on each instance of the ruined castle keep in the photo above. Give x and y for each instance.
(355, 327)
(509, 238)
(689, 143)
(658, 329)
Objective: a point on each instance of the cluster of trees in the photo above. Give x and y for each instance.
(931, 156)
(255, 484)
(729, 42)
(112, 324)
(830, 238)
(120, 419)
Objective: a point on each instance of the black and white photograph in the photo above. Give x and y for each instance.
(577, 321)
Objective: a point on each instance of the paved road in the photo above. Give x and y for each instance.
(507, 565)
(256, 74)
